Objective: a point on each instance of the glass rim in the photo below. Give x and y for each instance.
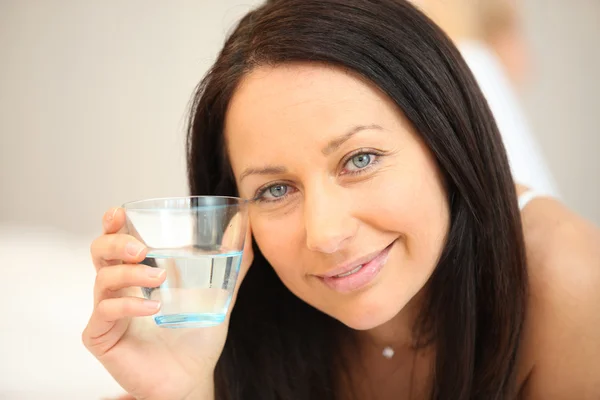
(130, 205)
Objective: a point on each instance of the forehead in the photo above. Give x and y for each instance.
(293, 84)
(302, 101)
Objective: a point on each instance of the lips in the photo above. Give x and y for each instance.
(351, 266)
(357, 274)
(355, 270)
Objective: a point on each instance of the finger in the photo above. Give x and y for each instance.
(117, 246)
(113, 220)
(110, 311)
(109, 280)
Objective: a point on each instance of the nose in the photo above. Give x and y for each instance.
(329, 222)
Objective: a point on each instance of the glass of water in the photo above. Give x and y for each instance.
(199, 241)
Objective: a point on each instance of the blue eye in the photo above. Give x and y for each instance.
(278, 190)
(360, 162)
(272, 193)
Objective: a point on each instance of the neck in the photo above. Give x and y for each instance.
(397, 333)
(372, 374)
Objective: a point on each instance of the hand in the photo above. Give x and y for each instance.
(149, 362)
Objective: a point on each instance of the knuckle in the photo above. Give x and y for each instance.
(113, 278)
(101, 308)
(125, 240)
(117, 244)
(107, 247)
(127, 275)
(95, 247)
(104, 309)
(85, 338)
(101, 282)
(127, 307)
(108, 309)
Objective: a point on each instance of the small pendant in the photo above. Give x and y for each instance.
(388, 352)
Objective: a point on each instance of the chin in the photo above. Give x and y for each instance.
(366, 318)
(364, 324)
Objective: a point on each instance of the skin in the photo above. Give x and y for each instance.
(285, 117)
(560, 355)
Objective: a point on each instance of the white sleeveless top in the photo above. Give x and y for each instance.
(527, 196)
(527, 162)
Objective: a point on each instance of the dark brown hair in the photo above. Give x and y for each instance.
(278, 347)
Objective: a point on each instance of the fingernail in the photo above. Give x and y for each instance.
(155, 272)
(152, 304)
(111, 216)
(134, 249)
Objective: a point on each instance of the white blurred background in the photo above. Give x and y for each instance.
(93, 104)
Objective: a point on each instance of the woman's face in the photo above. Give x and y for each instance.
(349, 208)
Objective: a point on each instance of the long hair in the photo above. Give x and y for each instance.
(278, 347)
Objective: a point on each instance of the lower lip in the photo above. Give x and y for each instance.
(362, 278)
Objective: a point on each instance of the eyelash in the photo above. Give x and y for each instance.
(361, 152)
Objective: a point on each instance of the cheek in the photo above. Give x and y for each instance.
(415, 206)
(279, 240)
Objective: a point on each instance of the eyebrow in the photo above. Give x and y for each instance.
(268, 170)
(335, 143)
(332, 146)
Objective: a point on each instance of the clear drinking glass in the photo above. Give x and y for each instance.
(199, 241)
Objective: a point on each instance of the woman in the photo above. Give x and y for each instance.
(388, 258)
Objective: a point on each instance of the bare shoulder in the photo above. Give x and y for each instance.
(561, 341)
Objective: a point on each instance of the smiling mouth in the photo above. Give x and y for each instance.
(355, 266)
(354, 277)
